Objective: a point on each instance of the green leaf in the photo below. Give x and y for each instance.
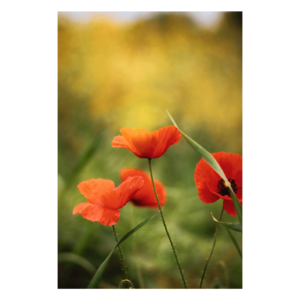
(214, 164)
(97, 277)
(234, 242)
(237, 205)
(232, 226)
(76, 259)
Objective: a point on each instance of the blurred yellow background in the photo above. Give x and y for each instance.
(113, 75)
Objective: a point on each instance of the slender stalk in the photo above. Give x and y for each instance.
(212, 249)
(121, 254)
(165, 225)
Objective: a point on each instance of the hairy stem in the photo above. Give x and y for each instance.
(121, 255)
(164, 222)
(212, 249)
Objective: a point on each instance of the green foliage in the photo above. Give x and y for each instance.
(97, 277)
(112, 76)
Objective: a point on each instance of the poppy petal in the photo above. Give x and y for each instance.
(131, 172)
(120, 142)
(93, 189)
(103, 215)
(225, 161)
(146, 196)
(239, 194)
(145, 144)
(227, 198)
(237, 165)
(231, 164)
(210, 183)
(205, 194)
(141, 140)
(122, 194)
(229, 207)
(204, 173)
(166, 137)
(239, 183)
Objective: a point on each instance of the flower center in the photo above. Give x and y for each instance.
(223, 188)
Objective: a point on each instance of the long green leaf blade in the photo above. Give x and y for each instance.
(214, 164)
(97, 277)
(237, 204)
(232, 226)
(234, 242)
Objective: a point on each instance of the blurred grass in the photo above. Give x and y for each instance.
(112, 76)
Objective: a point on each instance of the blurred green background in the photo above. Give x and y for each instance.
(113, 75)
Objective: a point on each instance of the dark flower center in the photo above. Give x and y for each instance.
(223, 189)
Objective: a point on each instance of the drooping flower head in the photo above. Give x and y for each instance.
(145, 197)
(212, 187)
(146, 144)
(105, 200)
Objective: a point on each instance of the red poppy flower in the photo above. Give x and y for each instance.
(145, 197)
(145, 144)
(211, 186)
(105, 199)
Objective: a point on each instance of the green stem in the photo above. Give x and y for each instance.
(164, 222)
(212, 249)
(121, 254)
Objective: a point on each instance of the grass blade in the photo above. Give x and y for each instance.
(214, 164)
(97, 277)
(237, 204)
(234, 242)
(232, 226)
